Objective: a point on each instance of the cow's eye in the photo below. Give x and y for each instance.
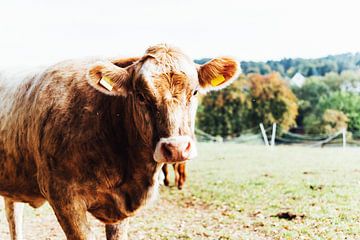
(195, 92)
(141, 97)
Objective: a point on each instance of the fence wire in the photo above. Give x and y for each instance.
(286, 138)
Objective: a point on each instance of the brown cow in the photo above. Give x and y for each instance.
(93, 135)
(179, 172)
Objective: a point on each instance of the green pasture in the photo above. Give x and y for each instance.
(236, 191)
(254, 188)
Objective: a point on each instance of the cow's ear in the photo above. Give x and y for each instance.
(125, 62)
(218, 73)
(108, 78)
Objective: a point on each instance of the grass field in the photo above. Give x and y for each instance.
(244, 192)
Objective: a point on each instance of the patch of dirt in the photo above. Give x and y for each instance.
(288, 216)
(316, 187)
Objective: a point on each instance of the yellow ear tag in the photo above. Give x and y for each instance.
(107, 83)
(217, 81)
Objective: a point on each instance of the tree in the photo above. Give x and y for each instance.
(346, 102)
(346, 81)
(224, 112)
(331, 121)
(288, 67)
(250, 100)
(309, 96)
(272, 101)
(334, 121)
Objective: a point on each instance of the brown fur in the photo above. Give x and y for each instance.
(66, 140)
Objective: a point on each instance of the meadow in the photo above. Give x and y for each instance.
(236, 191)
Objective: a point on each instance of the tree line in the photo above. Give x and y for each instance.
(288, 67)
(328, 101)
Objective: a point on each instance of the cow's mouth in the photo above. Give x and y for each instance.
(175, 149)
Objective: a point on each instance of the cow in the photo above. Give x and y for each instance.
(179, 172)
(92, 135)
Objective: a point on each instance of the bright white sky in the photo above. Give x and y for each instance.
(42, 31)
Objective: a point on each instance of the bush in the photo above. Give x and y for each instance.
(331, 121)
(312, 124)
(334, 121)
(346, 102)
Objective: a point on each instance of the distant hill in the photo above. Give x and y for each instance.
(288, 67)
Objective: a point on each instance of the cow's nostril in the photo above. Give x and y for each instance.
(166, 150)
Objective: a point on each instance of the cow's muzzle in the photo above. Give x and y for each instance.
(175, 149)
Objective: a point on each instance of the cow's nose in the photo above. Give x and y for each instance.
(176, 151)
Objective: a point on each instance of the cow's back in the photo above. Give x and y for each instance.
(44, 118)
(29, 101)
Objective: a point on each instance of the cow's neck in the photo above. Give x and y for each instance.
(125, 172)
(113, 126)
(139, 170)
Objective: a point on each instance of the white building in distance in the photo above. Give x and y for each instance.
(298, 80)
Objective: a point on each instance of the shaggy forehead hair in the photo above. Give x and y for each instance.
(163, 58)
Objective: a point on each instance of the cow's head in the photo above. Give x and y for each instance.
(161, 92)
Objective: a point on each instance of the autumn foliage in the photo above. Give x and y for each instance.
(250, 100)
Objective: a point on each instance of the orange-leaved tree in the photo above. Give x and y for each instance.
(272, 101)
(250, 100)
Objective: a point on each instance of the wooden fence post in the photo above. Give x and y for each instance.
(273, 135)
(344, 137)
(264, 134)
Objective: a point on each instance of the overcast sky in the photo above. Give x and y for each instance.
(38, 32)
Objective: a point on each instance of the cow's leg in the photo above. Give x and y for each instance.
(14, 215)
(117, 231)
(177, 175)
(71, 215)
(182, 175)
(166, 175)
